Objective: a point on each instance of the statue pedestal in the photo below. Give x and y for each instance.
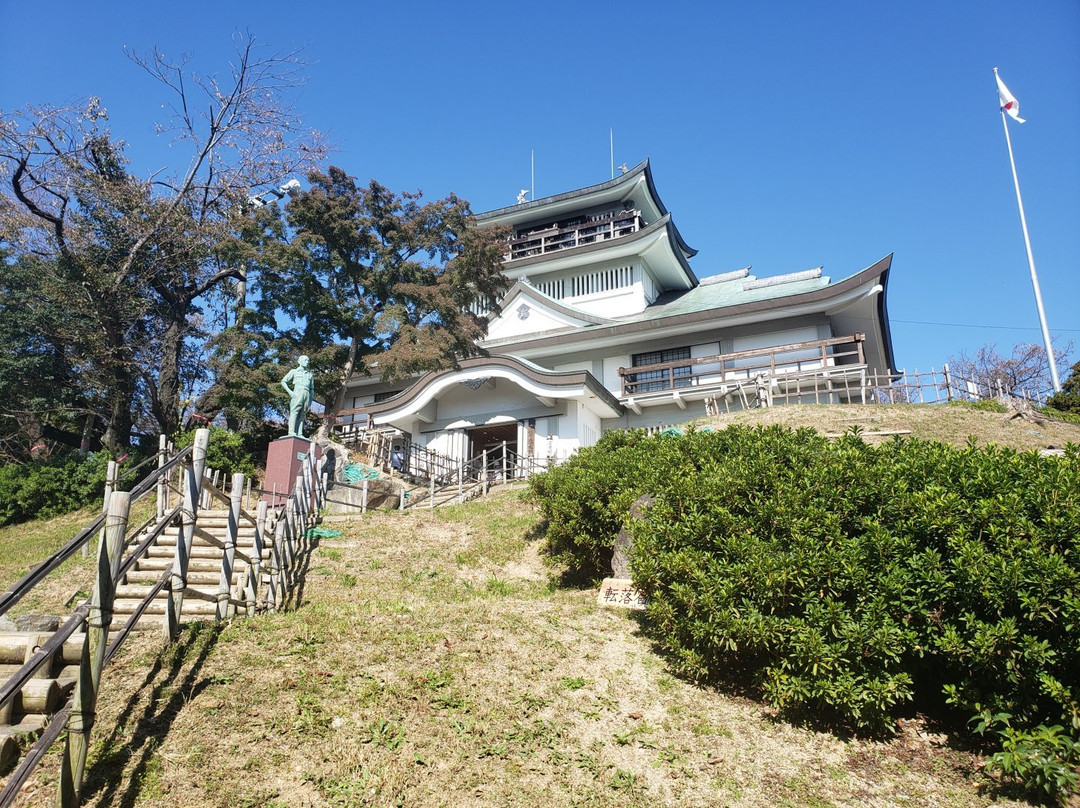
(283, 461)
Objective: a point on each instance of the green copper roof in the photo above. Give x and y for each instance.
(733, 292)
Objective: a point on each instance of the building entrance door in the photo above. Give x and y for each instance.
(493, 439)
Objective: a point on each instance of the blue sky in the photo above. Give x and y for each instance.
(783, 135)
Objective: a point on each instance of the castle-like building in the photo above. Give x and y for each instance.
(606, 325)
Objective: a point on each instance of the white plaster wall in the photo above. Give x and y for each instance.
(774, 338)
(589, 429)
(664, 415)
(565, 442)
(451, 443)
(614, 303)
(540, 319)
(574, 366)
(494, 395)
(612, 380)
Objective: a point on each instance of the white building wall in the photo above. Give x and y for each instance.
(494, 395)
(616, 303)
(612, 380)
(589, 428)
(774, 338)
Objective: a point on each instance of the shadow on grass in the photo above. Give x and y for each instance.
(123, 760)
(298, 570)
(174, 679)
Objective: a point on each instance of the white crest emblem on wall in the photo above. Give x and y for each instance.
(523, 312)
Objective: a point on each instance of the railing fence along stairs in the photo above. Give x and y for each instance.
(440, 479)
(187, 561)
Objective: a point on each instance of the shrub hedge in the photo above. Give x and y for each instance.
(44, 488)
(847, 580)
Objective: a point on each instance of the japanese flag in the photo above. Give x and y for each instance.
(1008, 103)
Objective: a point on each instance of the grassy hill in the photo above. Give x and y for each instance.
(437, 660)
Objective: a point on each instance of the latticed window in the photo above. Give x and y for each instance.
(650, 381)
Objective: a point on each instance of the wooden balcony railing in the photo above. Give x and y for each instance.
(552, 239)
(720, 369)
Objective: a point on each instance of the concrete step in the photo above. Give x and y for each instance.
(196, 604)
(147, 578)
(168, 553)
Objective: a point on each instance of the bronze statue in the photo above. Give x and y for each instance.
(301, 394)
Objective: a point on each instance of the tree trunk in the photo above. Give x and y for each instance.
(120, 381)
(117, 435)
(350, 366)
(165, 404)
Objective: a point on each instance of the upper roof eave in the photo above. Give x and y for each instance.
(665, 224)
(630, 178)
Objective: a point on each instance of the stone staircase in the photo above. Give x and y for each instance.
(204, 571)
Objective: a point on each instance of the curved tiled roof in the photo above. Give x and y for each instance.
(569, 380)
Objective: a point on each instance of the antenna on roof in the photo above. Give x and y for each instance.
(532, 168)
(611, 137)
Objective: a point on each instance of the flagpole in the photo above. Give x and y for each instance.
(1031, 260)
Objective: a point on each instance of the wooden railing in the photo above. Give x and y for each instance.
(720, 369)
(476, 475)
(92, 622)
(552, 239)
(390, 451)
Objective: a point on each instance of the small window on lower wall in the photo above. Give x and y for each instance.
(669, 378)
(384, 396)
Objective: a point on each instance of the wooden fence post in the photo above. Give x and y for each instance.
(301, 503)
(188, 513)
(256, 557)
(111, 475)
(485, 471)
(228, 558)
(162, 488)
(81, 721)
(273, 594)
(363, 495)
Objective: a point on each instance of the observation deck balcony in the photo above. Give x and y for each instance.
(574, 233)
(801, 366)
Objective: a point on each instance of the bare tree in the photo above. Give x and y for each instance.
(138, 253)
(1027, 369)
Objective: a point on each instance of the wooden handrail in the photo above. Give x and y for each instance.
(671, 381)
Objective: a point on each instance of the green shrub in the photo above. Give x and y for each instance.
(586, 499)
(1069, 416)
(1045, 759)
(227, 451)
(1067, 399)
(41, 489)
(847, 580)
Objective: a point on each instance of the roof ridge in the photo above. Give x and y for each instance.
(776, 280)
(725, 276)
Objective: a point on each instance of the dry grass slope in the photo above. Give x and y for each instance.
(435, 662)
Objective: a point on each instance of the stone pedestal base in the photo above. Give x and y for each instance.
(283, 461)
